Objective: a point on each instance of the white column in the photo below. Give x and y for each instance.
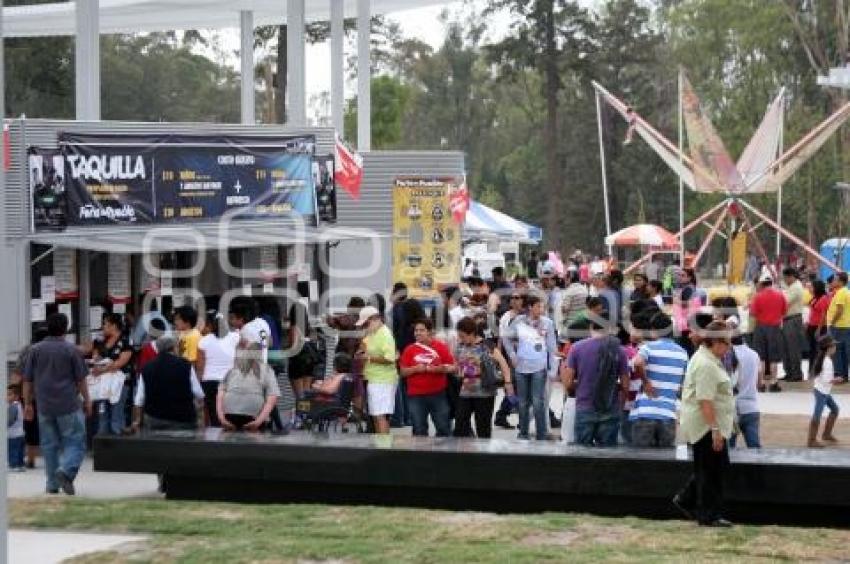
(295, 62)
(87, 59)
(5, 307)
(364, 76)
(246, 54)
(337, 73)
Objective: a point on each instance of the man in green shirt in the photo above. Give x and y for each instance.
(379, 353)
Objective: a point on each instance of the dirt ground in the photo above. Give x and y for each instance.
(791, 431)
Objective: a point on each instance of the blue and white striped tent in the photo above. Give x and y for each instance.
(483, 222)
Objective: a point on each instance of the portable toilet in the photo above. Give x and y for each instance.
(838, 251)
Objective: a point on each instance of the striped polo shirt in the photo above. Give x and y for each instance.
(665, 368)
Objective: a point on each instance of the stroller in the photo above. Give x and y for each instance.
(332, 413)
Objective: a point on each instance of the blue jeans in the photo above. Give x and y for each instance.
(63, 444)
(110, 417)
(842, 350)
(821, 401)
(531, 389)
(401, 412)
(593, 429)
(749, 425)
(625, 427)
(15, 452)
(435, 405)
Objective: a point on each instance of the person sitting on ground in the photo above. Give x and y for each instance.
(823, 372)
(249, 391)
(168, 394)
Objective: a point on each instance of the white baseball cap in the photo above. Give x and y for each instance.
(366, 314)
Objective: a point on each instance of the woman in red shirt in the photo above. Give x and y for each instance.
(425, 364)
(816, 325)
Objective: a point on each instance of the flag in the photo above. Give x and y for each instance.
(348, 169)
(459, 202)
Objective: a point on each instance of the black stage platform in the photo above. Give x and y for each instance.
(767, 486)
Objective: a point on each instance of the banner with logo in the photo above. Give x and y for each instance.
(144, 179)
(426, 243)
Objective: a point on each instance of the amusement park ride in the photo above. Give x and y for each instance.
(709, 168)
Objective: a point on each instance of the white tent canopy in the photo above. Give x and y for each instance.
(483, 222)
(130, 16)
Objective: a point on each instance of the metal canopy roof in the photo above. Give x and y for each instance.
(129, 16)
(130, 240)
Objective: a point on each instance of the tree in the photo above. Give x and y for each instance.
(551, 36)
(389, 100)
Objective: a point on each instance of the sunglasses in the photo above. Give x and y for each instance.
(516, 297)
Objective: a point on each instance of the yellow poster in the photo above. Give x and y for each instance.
(426, 243)
(737, 258)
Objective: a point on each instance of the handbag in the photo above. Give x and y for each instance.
(491, 377)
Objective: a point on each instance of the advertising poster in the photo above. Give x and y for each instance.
(323, 178)
(65, 274)
(118, 279)
(426, 243)
(150, 179)
(47, 189)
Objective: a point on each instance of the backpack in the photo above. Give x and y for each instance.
(605, 390)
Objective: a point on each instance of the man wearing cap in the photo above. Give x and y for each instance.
(796, 342)
(767, 310)
(378, 352)
(168, 393)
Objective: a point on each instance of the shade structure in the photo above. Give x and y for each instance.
(130, 16)
(642, 235)
(484, 222)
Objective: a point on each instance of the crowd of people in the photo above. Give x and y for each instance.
(638, 367)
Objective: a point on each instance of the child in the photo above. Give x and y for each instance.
(824, 373)
(15, 428)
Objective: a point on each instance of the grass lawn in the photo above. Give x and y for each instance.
(224, 532)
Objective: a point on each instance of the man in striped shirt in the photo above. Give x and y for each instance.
(661, 364)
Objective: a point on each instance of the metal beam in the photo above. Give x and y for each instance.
(87, 59)
(711, 235)
(791, 237)
(246, 55)
(337, 72)
(632, 267)
(6, 298)
(364, 76)
(296, 84)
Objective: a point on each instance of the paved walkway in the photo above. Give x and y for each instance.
(49, 547)
(95, 485)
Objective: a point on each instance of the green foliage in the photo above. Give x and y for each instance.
(389, 100)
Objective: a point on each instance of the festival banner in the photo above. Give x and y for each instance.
(116, 179)
(426, 243)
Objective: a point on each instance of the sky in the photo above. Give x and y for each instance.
(421, 23)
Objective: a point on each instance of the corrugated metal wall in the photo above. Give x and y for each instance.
(374, 209)
(43, 133)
